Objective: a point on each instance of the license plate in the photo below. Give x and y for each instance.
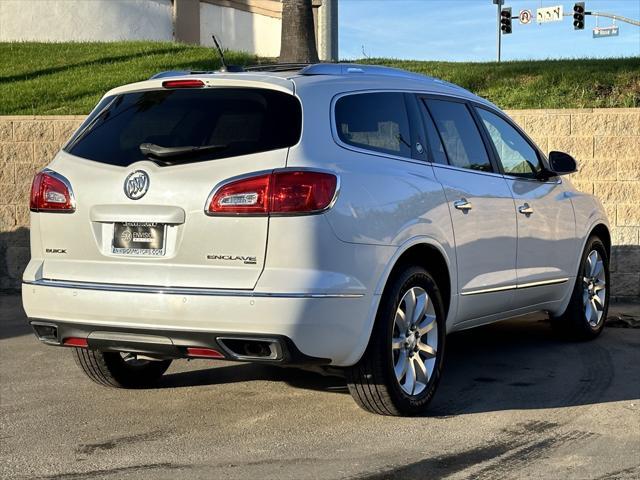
(138, 238)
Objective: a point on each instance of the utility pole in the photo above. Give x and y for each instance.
(498, 4)
(328, 31)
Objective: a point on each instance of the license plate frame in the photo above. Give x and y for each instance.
(139, 239)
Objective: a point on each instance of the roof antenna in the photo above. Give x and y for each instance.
(225, 67)
(224, 64)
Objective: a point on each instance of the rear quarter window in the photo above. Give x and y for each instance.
(374, 121)
(243, 120)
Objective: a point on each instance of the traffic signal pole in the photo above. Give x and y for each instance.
(504, 20)
(498, 4)
(630, 21)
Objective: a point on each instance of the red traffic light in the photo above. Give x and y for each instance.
(578, 16)
(505, 20)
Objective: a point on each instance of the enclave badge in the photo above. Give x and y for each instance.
(247, 260)
(136, 184)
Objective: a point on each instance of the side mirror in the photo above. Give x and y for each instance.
(562, 163)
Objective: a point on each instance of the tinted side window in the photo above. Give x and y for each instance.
(375, 121)
(516, 155)
(241, 121)
(461, 138)
(433, 137)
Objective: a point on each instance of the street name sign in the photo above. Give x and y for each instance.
(550, 14)
(525, 16)
(603, 32)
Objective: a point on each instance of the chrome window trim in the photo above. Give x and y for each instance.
(540, 283)
(156, 289)
(552, 181)
(467, 170)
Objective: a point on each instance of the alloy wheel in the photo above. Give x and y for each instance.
(594, 288)
(414, 341)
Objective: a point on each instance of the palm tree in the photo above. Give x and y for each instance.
(298, 40)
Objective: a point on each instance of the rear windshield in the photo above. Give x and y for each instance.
(239, 121)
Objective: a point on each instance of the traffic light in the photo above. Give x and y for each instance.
(505, 20)
(578, 16)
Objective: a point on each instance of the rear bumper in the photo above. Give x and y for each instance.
(165, 344)
(324, 328)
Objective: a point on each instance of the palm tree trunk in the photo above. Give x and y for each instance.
(298, 40)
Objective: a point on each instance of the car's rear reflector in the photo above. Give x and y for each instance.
(198, 352)
(183, 84)
(280, 192)
(51, 192)
(75, 342)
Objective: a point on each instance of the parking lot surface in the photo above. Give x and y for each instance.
(514, 402)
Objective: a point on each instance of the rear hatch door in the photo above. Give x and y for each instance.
(140, 219)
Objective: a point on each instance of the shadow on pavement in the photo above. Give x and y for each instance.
(13, 322)
(517, 364)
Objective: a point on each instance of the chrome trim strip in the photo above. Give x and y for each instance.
(212, 292)
(517, 287)
(489, 290)
(544, 282)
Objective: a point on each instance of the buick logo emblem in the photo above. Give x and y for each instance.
(136, 184)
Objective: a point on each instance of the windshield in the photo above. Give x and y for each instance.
(243, 120)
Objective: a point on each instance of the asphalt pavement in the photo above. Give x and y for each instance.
(514, 402)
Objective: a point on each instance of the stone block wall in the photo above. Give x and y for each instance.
(27, 144)
(606, 143)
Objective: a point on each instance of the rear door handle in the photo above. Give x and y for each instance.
(525, 209)
(463, 204)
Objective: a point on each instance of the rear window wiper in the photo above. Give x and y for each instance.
(153, 150)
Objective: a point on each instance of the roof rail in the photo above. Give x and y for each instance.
(277, 67)
(357, 69)
(177, 73)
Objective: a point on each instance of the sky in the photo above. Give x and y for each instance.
(465, 30)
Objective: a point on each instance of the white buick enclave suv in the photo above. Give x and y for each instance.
(334, 215)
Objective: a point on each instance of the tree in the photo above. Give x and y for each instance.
(298, 39)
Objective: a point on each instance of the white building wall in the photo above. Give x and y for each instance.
(85, 20)
(240, 30)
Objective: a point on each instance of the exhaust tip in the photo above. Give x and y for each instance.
(252, 348)
(46, 332)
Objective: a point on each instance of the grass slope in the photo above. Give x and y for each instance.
(69, 78)
(590, 83)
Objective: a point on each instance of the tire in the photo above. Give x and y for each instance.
(373, 382)
(587, 311)
(110, 369)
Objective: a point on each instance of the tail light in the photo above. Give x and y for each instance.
(282, 192)
(51, 192)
